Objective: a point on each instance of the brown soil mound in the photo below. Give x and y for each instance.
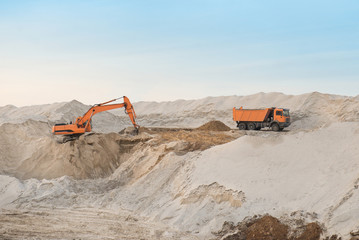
(267, 228)
(312, 232)
(214, 126)
(192, 139)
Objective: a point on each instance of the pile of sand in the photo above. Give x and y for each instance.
(214, 126)
(92, 155)
(166, 178)
(28, 150)
(312, 171)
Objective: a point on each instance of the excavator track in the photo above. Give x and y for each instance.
(67, 138)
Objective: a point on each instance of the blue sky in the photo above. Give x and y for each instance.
(92, 51)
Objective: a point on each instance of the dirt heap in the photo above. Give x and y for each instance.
(192, 139)
(268, 228)
(312, 232)
(214, 126)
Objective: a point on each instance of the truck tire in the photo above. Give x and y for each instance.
(258, 128)
(251, 126)
(275, 127)
(242, 126)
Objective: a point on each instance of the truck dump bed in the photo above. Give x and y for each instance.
(250, 115)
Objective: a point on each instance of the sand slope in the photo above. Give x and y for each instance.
(309, 172)
(315, 172)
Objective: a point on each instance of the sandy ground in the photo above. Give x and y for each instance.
(81, 223)
(180, 182)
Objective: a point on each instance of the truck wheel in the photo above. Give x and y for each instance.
(258, 128)
(251, 126)
(275, 127)
(242, 126)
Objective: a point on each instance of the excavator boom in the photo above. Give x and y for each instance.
(83, 124)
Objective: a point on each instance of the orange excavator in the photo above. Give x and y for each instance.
(83, 124)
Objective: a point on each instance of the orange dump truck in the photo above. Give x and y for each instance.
(255, 119)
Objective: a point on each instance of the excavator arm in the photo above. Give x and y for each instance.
(83, 124)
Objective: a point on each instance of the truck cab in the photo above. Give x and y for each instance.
(281, 115)
(255, 119)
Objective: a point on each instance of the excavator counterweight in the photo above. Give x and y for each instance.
(84, 124)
